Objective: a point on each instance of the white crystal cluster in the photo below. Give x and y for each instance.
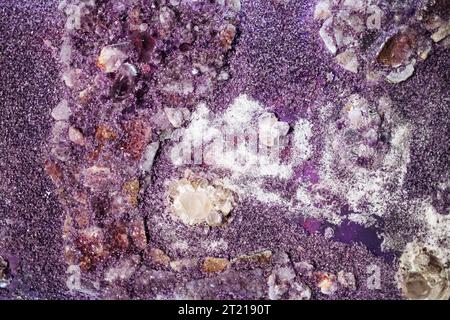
(343, 23)
(355, 32)
(196, 201)
(283, 282)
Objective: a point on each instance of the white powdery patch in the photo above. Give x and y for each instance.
(253, 165)
(438, 230)
(399, 156)
(242, 112)
(303, 197)
(209, 134)
(257, 192)
(305, 205)
(364, 220)
(200, 128)
(360, 187)
(208, 137)
(367, 187)
(302, 135)
(215, 245)
(243, 159)
(370, 186)
(180, 245)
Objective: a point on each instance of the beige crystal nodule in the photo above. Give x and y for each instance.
(196, 201)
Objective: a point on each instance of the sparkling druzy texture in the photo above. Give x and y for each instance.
(227, 149)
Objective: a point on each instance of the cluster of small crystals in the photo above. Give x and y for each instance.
(285, 280)
(164, 49)
(364, 131)
(423, 275)
(373, 38)
(195, 201)
(132, 70)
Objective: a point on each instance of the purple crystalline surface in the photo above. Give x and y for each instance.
(98, 96)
